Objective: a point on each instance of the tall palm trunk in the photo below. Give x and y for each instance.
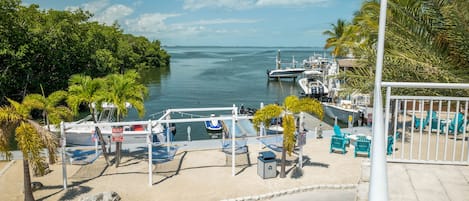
(282, 168)
(103, 144)
(100, 136)
(28, 191)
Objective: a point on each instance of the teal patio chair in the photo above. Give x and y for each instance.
(459, 120)
(419, 122)
(362, 146)
(339, 133)
(338, 144)
(390, 145)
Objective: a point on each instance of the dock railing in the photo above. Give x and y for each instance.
(426, 129)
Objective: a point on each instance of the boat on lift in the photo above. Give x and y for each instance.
(287, 72)
(311, 85)
(82, 132)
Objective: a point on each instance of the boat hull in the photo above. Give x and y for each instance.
(342, 114)
(285, 73)
(84, 139)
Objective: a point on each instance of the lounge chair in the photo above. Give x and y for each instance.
(339, 133)
(390, 145)
(419, 122)
(362, 146)
(338, 144)
(458, 121)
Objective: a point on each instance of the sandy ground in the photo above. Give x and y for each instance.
(192, 175)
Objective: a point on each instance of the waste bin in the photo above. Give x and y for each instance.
(266, 165)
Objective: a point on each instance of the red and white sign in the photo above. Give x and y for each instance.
(117, 134)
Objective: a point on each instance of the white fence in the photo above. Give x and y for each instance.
(426, 129)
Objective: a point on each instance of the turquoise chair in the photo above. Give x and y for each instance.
(425, 121)
(362, 146)
(390, 144)
(459, 120)
(338, 144)
(339, 133)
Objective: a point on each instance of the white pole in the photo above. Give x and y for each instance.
(300, 138)
(378, 177)
(189, 133)
(150, 159)
(168, 141)
(233, 134)
(64, 165)
(261, 129)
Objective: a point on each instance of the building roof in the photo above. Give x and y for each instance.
(347, 62)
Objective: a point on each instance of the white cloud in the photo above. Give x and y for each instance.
(113, 13)
(290, 2)
(103, 11)
(233, 4)
(220, 21)
(245, 4)
(95, 6)
(153, 22)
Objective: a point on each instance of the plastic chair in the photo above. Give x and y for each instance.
(338, 144)
(425, 121)
(390, 145)
(362, 146)
(459, 120)
(339, 133)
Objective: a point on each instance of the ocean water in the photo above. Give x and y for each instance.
(218, 77)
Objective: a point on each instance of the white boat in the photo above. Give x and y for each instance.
(82, 132)
(313, 87)
(275, 126)
(213, 125)
(345, 111)
(287, 72)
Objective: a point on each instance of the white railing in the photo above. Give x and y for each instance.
(427, 129)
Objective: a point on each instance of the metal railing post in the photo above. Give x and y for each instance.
(64, 165)
(150, 154)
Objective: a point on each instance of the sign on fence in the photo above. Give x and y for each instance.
(117, 133)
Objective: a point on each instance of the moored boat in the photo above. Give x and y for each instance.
(83, 133)
(213, 125)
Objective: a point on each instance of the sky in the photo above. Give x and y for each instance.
(267, 23)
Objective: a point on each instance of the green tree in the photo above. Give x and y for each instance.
(31, 138)
(123, 89)
(52, 110)
(425, 41)
(341, 38)
(86, 90)
(292, 105)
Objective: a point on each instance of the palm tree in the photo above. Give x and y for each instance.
(426, 41)
(52, 112)
(125, 89)
(292, 105)
(341, 38)
(83, 89)
(30, 137)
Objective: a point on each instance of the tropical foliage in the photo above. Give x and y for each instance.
(425, 41)
(91, 92)
(31, 138)
(123, 89)
(44, 46)
(53, 110)
(292, 105)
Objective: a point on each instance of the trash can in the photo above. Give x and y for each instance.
(266, 165)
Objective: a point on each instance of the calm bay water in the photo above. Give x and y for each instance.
(218, 77)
